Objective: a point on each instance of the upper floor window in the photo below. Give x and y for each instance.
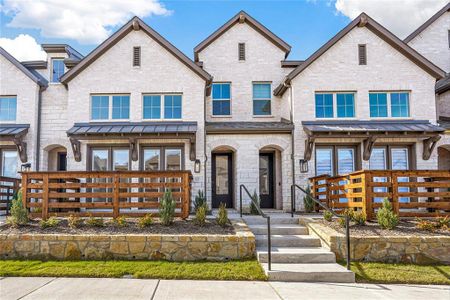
(154, 109)
(101, 108)
(8, 108)
(57, 69)
(327, 102)
(395, 105)
(261, 99)
(221, 99)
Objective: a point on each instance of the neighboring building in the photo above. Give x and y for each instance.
(240, 113)
(432, 40)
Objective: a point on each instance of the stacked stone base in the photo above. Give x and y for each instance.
(241, 245)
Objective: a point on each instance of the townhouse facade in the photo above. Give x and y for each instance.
(240, 113)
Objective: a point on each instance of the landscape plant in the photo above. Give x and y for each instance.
(308, 202)
(222, 216)
(120, 221)
(257, 200)
(386, 217)
(145, 221)
(167, 208)
(200, 200)
(19, 214)
(328, 216)
(50, 222)
(74, 221)
(95, 222)
(425, 225)
(359, 217)
(200, 215)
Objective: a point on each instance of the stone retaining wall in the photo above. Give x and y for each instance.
(392, 249)
(140, 247)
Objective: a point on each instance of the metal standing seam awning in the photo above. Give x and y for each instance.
(248, 127)
(132, 131)
(370, 131)
(15, 133)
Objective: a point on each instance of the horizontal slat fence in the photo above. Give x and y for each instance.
(420, 193)
(8, 186)
(105, 194)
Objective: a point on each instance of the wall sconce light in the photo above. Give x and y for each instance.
(197, 166)
(303, 166)
(25, 167)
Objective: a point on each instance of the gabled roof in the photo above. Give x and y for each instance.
(134, 24)
(363, 20)
(59, 48)
(32, 75)
(427, 23)
(243, 17)
(443, 85)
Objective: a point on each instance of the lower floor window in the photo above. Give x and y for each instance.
(110, 159)
(8, 162)
(335, 160)
(162, 158)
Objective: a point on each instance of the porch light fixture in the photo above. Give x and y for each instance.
(197, 166)
(25, 167)
(303, 166)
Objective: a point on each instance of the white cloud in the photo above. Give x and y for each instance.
(23, 47)
(401, 17)
(87, 21)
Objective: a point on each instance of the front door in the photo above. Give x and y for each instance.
(266, 186)
(62, 161)
(222, 179)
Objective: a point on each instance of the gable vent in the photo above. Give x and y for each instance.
(136, 56)
(362, 54)
(241, 51)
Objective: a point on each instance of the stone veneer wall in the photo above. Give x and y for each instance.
(140, 247)
(392, 249)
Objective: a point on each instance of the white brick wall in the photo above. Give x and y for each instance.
(433, 42)
(262, 63)
(443, 104)
(13, 82)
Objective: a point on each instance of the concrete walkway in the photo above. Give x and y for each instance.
(110, 288)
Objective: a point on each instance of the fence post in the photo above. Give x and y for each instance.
(366, 179)
(115, 196)
(45, 196)
(186, 196)
(394, 186)
(24, 189)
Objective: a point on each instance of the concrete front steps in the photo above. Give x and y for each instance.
(296, 255)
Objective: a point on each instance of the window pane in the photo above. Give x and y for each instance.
(346, 161)
(378, 105)
(222, 175)
(261, 107)
(8, 108)
(121, 159)
(121, 107)
(100, 160)
(172, 107)
(152, 107)
(378, 161)
(173, 159)
(400, 104)
(345, 105)
(262, 99)
(400, 162)
(324, 161)
(57, 69)
(9, 163)
(324, 105)
(152, 159)
(100, 107)
(221, 99)
(261, 91)
(264, 184)
(221, 108)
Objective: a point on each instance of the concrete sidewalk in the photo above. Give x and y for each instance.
(110, 288)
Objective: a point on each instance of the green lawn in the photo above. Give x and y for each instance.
(232, 270)
(400, 273)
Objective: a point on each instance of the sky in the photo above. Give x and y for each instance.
(304, 24)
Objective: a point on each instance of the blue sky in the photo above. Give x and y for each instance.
(305, 25)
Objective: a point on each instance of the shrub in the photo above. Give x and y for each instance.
(95, 222)
(120, 221)
(145, 221)
(222, 216)
(19, 214)
(257, 200)
(328, 216)
(386, 216)
(167, 208)
(350, 213)
(308, 202)
(200, 215)
(443, 222)
(359, 217)
(425, 225)
(341, 222)
(50, 222)
(74, 221)
(200, 200)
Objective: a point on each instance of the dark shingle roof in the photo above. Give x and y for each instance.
(248, 127)
(138, 128)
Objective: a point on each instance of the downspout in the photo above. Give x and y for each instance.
(38, 130)
(207, 86)
(291, 116)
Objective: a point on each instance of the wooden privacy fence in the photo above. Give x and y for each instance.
(105, 194)
(8, 186)
(419, 193)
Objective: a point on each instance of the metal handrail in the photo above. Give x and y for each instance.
(345, 216)
(269, 242)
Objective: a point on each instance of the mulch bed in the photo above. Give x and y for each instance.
(404, 228)
(178, 227)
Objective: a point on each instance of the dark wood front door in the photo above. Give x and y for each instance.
(62, 161)
(222, 179)
(266, 186)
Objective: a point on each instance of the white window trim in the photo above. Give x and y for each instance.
(162, 106)
(231, 102)
(10, 121)
(389, 106)
(334, 94)
(110, 108)
(270, 99)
